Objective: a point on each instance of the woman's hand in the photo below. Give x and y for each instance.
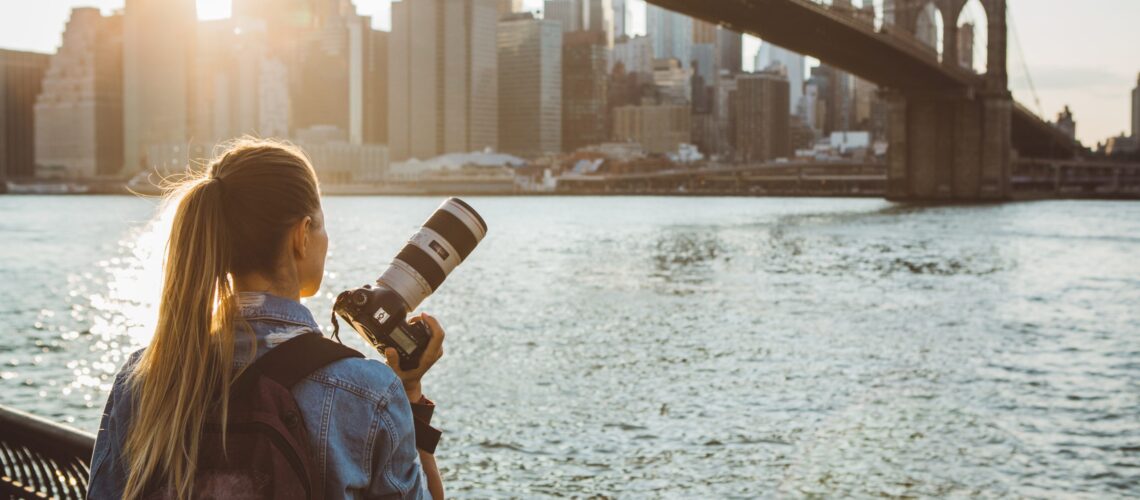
(432, 353)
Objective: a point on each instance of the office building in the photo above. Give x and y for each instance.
(724, 92)
(1136, 111)
(926, 27)
(671, 33)
(571, 13)
(530, 86)
(761, 124)
(729, 50)
(507, 7)
(634, 54)
(772, 56)
(704, 32)
(159, 42)
(966, 46)
(865, 96)
(1066, 124)
(673, 82)
(443, 84)
(704, 60)
(600, 17)
(79, 113)
(367, 82)
(322, 77)
(21, 79)
(585, 64)
(622, 16)
(659, 128)
(836, 97)
(226, 79)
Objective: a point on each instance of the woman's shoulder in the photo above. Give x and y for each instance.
(363, 377)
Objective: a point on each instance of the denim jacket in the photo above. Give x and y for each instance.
(355, 410)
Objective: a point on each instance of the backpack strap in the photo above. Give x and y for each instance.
(295, 359)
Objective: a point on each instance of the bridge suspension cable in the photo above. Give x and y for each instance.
(1020, 52)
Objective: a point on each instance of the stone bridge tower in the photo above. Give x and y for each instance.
(952, 144)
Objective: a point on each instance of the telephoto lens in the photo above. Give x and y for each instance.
(379, 312)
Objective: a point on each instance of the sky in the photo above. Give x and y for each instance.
(1082, 53)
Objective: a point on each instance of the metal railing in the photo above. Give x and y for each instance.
(42, 459)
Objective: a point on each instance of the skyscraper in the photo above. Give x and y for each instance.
(1065, 123)
(621, 18)
(1136, 112)
(966, 46)
(926, 27)
(584, 89)
(79, 114)
(510, 7)
(793, 65)
(761, 124)
(704, 31)
(635, 54)
(659, 128)
(600, 17)
(530, 86)
(836, 95)
(729, 50)
(443, 78)
(159, 40)
(671, 33)
(571, 13)
(321, 77)
(21, 77)
(703, 60)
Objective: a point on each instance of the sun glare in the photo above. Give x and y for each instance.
(213, 9)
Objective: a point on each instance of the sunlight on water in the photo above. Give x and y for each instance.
(686, 347)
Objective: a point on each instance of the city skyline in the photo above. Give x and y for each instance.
(1096, 85)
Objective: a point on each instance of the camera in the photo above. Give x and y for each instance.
(378, 312)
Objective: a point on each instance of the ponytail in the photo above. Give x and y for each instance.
(229, 220)
(189, 362)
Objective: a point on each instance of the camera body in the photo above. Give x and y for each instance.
(378, 312)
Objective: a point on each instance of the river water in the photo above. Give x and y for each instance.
(687, 347)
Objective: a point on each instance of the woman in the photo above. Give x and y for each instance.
(247, 242)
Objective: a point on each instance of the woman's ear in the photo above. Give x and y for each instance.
(301, 237)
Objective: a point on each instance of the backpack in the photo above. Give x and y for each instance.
(267, 448)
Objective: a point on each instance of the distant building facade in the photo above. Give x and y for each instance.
(729, 50)
(530, 86)
(671, 33)
(443, 78)
(21, 79)
(571, 13)
(1066, 124)
(159, 42)
(966, 46)
(585, 65)
(79, 113)
(600, 17)
(1136, 111)
(659, 128)
(704, 32)
(622, 17)
(673, 81)
(794, 65)
(635, 54)
(762, 125)
(510, 7)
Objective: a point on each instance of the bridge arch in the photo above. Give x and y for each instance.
(972, 36)
(929, 27)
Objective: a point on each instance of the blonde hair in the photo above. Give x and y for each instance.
(230, 218)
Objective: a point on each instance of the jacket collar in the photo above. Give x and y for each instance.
(263, 305)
